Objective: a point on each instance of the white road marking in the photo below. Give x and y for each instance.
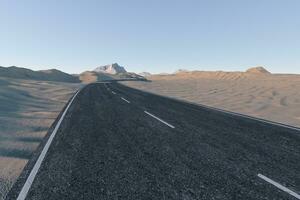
(125, 100)
(166, 123)
(24, 191)
(113, 92)
(281, 187)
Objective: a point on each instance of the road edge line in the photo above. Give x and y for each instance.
(26, 187)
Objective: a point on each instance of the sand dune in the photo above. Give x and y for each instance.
(273, 97)
(27, 110)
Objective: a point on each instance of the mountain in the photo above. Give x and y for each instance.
(45, 75)
(145, 74)
(111, 69)
(258, 70)
(109, 72)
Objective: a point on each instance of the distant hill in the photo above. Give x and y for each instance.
(104, 73)
(258, 70)
(253, 70)
(252, 73)
(111, 69)
(116, 72)
(163, 74)
(144, 74)
(181, 71)
(45, 75)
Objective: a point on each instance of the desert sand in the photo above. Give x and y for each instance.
(257, 93)
(27, 110)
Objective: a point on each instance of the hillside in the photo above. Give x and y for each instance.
(43, 75)
(250, 74)
(258, 70)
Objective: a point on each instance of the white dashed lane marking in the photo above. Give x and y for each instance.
(125, 100)
(279, 186)
(166, 123)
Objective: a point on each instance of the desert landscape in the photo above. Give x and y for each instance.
(150, 100)
(30, 101)
(256, 92)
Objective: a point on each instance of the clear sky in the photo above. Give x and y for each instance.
(151, 35)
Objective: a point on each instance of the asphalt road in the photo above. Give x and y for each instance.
(116, 142)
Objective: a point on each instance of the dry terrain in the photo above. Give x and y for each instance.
(255, 92)
(29, 107)
(27, 110)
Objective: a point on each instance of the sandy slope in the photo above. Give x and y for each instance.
(272, 97)
(27, 109)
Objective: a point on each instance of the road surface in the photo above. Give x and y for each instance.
(115, 142)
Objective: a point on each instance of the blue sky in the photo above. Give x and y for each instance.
(152, 35)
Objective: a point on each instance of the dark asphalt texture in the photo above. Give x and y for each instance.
(108, 149)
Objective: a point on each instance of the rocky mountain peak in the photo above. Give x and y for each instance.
(114, 68)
